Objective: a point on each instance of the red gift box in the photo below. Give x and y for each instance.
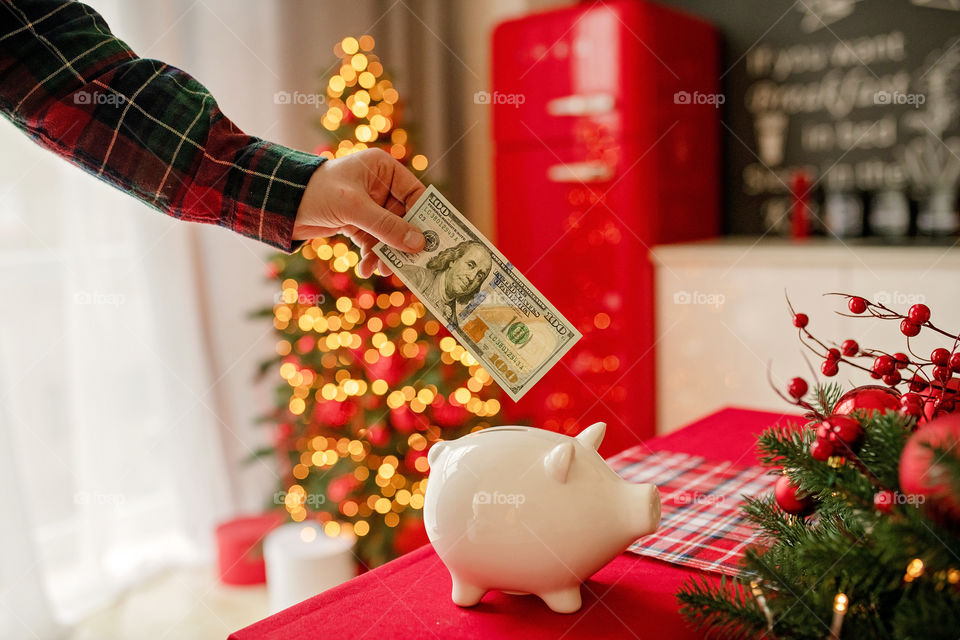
(240, 548)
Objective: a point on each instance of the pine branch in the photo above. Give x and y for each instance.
(725, 611)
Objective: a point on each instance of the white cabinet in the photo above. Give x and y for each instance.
(722, 318)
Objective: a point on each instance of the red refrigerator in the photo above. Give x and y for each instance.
(605, 123)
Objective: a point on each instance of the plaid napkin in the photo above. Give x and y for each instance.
(701, 524)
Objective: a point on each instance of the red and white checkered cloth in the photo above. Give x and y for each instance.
(701, 524)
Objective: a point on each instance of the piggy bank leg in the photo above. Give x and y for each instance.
(564, 600)
(465, 594)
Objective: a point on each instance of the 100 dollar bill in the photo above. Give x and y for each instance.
(488, 306)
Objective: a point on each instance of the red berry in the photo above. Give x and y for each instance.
(884, 364)
(942, 374)
(919, 313)
(849, 347)
(829, 368)
(954, 362)
(833, 354)
(875, 375)
(910, 398)
(909, 328)
(915, 410)
(883, 501)
(800, 320)
(902, 360)
(797, 388)
(821, 450)
(940, 356)
(857, 305)
(892, 379)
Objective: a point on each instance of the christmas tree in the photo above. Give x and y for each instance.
(863, 530)
(368, 380)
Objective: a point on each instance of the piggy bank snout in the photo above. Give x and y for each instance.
(645, 503)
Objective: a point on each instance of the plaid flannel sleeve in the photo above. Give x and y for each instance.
(141, 125)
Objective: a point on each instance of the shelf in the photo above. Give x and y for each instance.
(812, 252)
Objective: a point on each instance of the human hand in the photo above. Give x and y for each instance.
(364, 196)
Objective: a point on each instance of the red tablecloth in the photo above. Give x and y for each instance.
(632, 596)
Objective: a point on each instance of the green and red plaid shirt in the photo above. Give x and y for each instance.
(142, 125)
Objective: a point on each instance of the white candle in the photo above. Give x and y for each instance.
(303, 561)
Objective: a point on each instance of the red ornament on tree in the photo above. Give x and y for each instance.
(869, 399)
(843, 433)
(922, 475)
(785, 493)
(883, 501)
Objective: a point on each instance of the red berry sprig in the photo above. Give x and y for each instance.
(934, 376)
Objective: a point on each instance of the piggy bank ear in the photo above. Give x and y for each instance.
(435, 452)
(592, 436)
(557, 462)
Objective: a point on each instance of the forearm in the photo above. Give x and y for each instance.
(141, 125)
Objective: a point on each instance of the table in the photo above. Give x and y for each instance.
(632, 596)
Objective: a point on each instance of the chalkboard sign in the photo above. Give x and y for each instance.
(862, 95)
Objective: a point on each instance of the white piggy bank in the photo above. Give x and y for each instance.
(525, 510)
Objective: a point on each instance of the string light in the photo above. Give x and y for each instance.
(840, 603)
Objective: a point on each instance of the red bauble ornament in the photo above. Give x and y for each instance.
(309, 294)
(797, 388)
(406, 420)
(447, 414)
(857, 305)
(410, 535)
(785, 493)
(936, 402)
(883, 501)
(920, 475)
(842, 432)
(378, 436)
(869, 399)
(821, 450)
(801, 320)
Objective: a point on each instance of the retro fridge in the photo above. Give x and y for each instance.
(605, 122)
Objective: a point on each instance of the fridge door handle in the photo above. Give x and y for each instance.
(580, 172)
(581, 105)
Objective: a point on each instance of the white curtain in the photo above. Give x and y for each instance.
(115, 460)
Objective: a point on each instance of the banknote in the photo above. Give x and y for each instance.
(489, 307)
